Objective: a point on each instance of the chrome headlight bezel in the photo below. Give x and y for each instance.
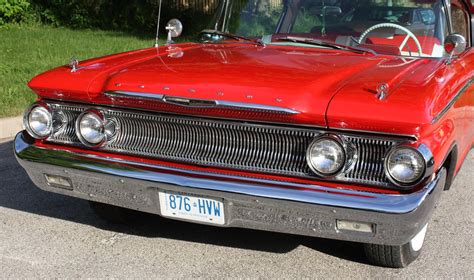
(425, 156)
(27, 120)
(339, 143)
(102, 122)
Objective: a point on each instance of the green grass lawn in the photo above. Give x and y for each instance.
(28, 51)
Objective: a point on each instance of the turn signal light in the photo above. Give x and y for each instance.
(58, 181)
(355, 226)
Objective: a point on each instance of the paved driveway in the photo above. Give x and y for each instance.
(48, 235)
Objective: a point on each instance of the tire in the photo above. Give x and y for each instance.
(115, 214)
(396, 256)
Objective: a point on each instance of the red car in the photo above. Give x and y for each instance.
(304, 117)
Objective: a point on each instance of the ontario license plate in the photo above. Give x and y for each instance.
(193, 208)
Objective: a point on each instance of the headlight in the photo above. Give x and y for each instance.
(38, 121)
(90, 128)
(326, 156)
(405, 165)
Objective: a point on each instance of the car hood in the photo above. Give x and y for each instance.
(320, 87)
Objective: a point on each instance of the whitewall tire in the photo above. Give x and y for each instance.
(396, 256)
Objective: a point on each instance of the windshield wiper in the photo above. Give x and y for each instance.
(325, 44)
(257, 42)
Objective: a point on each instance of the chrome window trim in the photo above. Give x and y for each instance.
(447, 8)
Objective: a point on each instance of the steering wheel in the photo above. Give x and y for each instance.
(410, 34)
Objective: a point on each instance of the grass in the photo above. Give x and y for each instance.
(28, 51)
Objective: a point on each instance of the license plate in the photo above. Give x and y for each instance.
(193, 208)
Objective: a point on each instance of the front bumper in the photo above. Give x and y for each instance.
(309, 210)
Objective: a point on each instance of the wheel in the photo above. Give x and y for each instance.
(396, 256)
(115, 214)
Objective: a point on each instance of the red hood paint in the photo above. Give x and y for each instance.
(329, 88)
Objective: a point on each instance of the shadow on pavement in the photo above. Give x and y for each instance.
(18, 192)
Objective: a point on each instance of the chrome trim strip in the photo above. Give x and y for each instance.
(315, 194)
(373, 133)
(447, 9)
(255, 107)
(209, 103)
(453, 100)
(138, 95)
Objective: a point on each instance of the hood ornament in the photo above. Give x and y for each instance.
(382, 91)
(74, 64)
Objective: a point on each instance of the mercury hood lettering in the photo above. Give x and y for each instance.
(200, 103)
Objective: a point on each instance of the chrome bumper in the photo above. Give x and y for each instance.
(309, 210)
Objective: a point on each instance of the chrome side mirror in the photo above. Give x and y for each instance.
(175, 28)
(454, 44)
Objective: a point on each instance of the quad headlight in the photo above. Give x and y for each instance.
(90, 128)
(38, 121)
(326, 156)
(405, 166)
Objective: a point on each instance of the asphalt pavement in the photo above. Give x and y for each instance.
(44, 235)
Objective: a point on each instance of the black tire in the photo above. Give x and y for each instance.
(390, 256)
(394, 256)
(115, 214)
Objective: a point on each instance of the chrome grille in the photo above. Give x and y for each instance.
(226, 144)
(369, 155)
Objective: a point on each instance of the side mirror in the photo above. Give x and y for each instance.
(454, 44)
(175, 28)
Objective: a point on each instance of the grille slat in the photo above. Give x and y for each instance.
(369, 166)
(226, 144)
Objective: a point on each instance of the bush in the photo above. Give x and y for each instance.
(13, 11)
(124, 15)
(134, 16)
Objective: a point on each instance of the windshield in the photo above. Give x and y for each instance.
(393, 27)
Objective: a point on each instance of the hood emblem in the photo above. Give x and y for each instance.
(74, 64)
(382, 91)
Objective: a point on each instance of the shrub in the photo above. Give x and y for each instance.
(135, 16)
(13, 11)
(125, 15)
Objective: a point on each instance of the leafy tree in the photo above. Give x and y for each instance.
(13, 11)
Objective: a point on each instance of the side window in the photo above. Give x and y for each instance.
(460, 21)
